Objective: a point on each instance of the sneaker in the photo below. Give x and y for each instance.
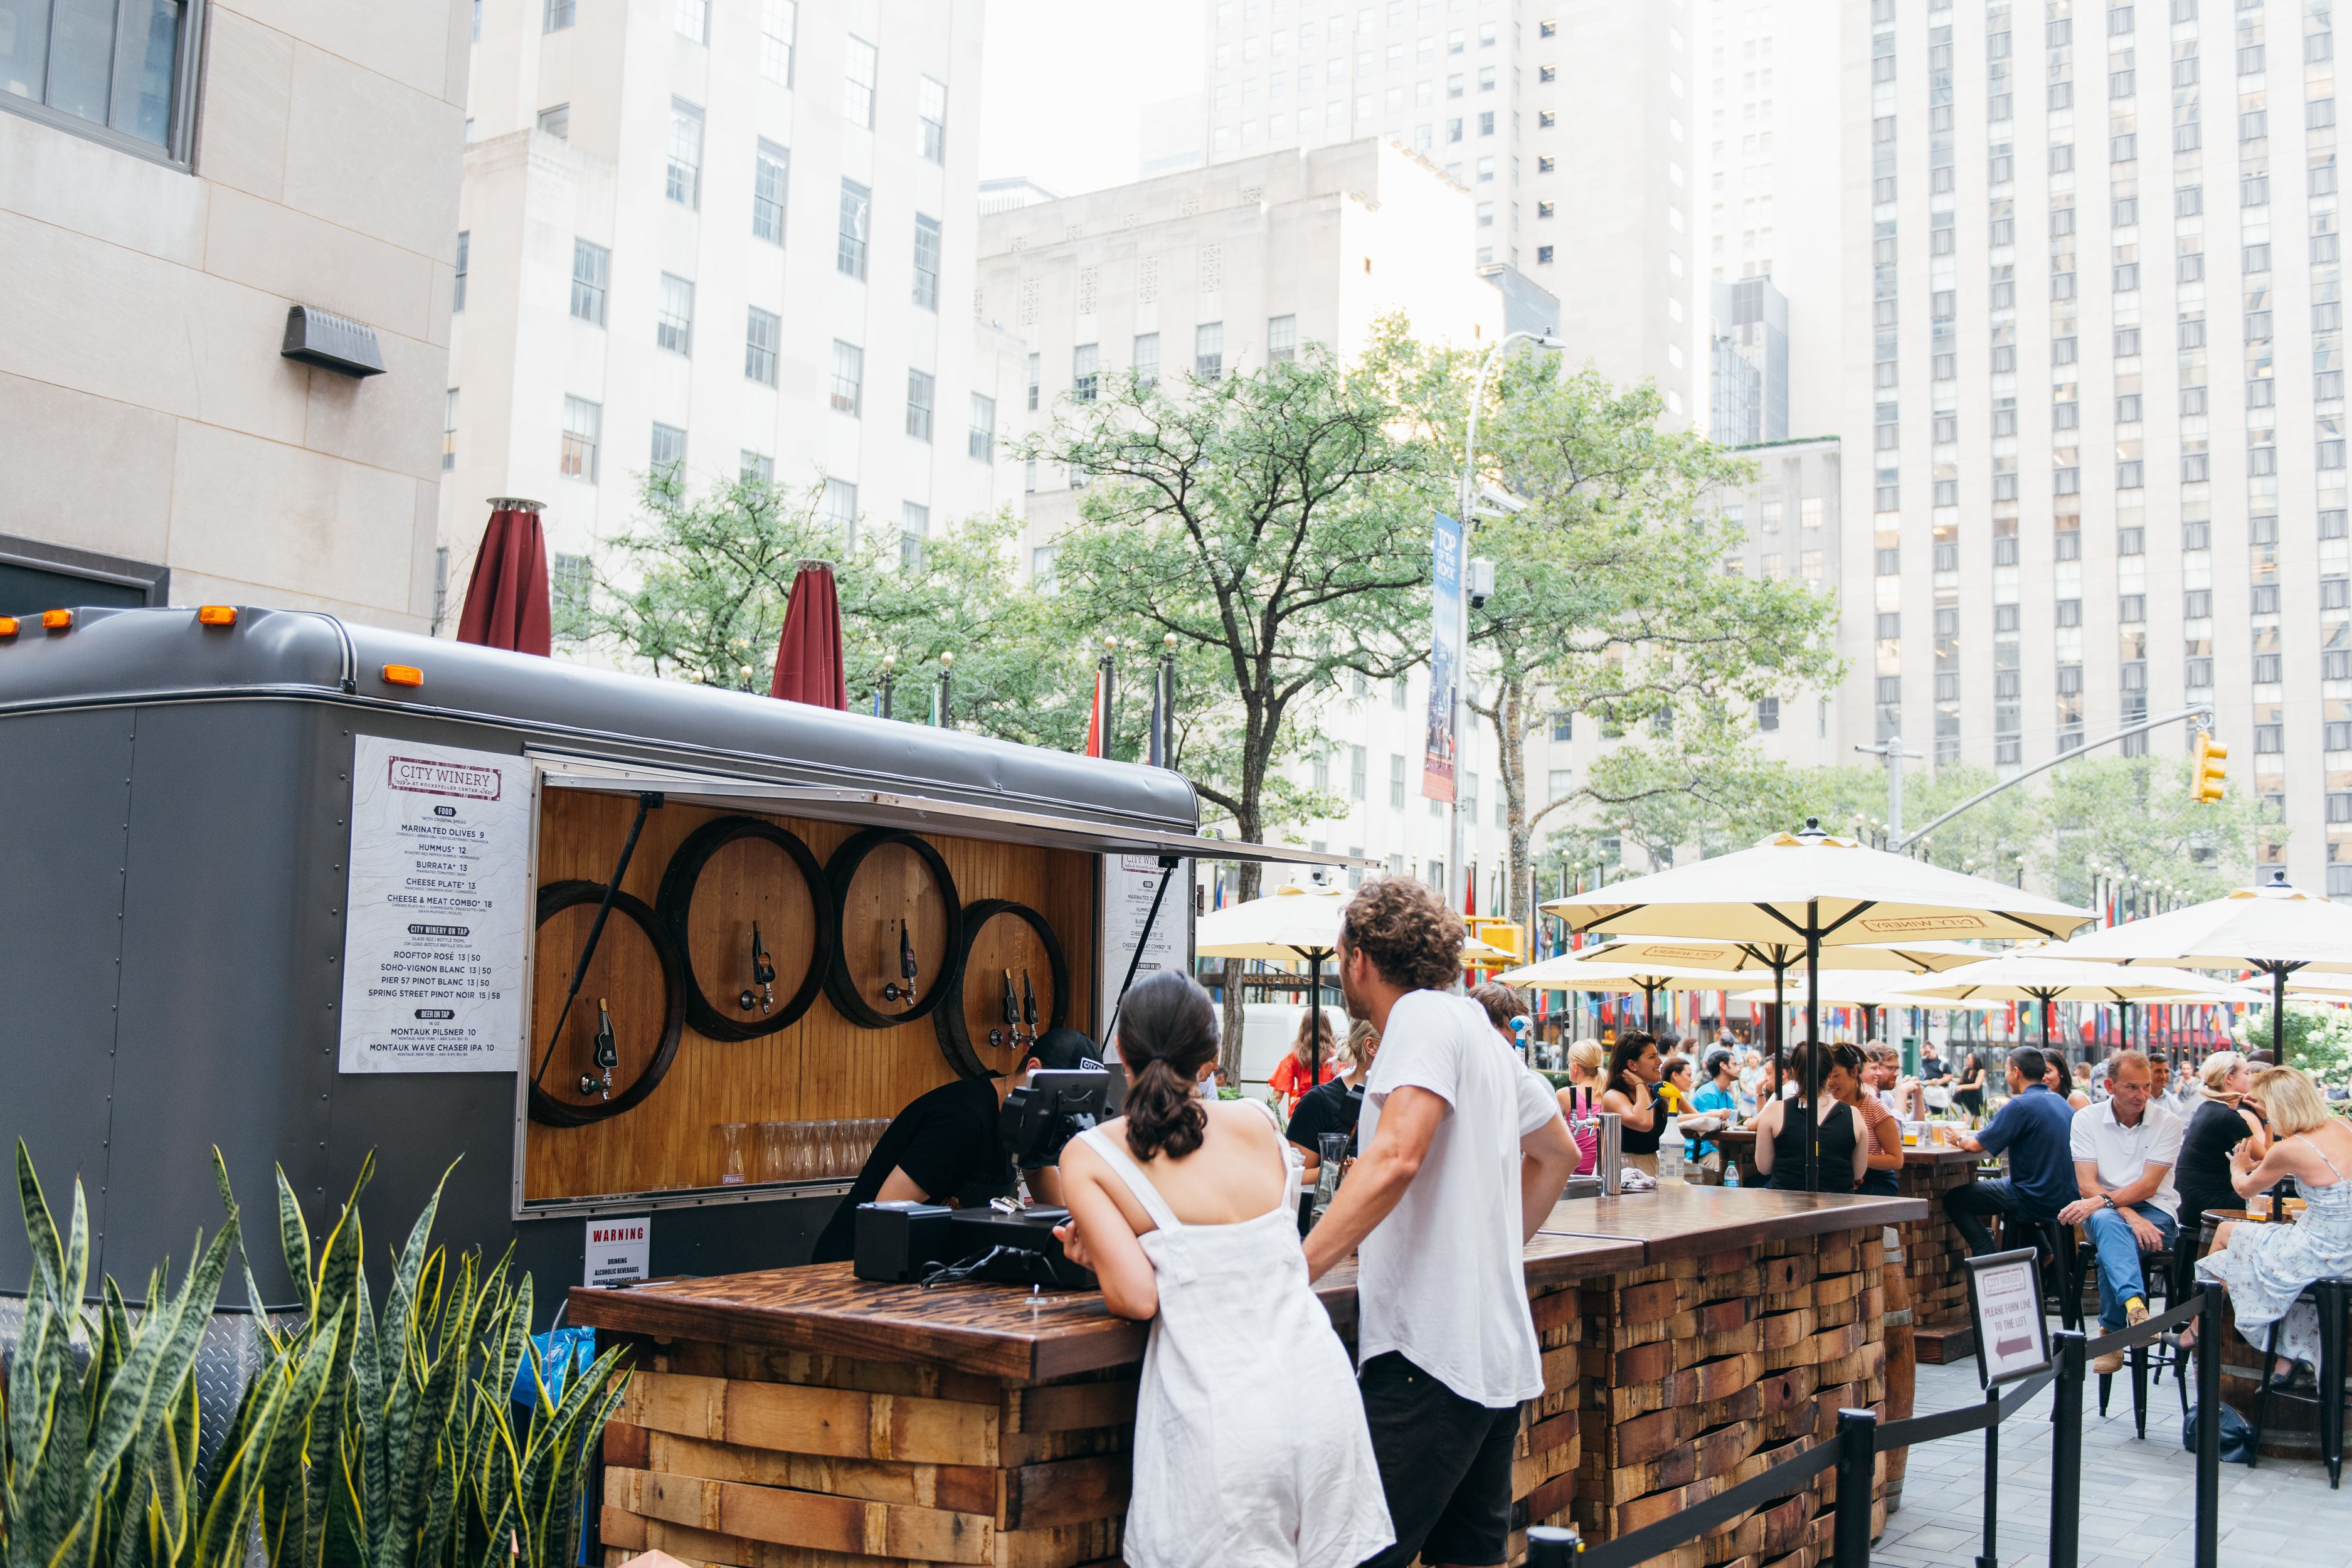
(2109, 1364)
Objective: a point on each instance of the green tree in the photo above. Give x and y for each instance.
(2318, 1039)
(2134, 814)
(1612, 597)
(697, 591)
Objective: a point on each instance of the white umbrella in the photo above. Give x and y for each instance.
(2050, 975)
(1816, 889)
(1290, 923)
(1734, 957)
(2276, 929)
(1590, 971)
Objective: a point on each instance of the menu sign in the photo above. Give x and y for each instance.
(2005, 1300)
(1130, 883)
(438, 909)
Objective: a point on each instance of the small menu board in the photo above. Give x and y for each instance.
(438, 909)
(1130, 884)
(2005, 1302)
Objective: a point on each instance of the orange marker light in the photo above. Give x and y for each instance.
(216, 616)
(8, 626)
(402, 674)
(57, 620)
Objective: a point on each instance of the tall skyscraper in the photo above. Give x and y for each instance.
(1748, 362)
(729, 239)
(1512, 103)
(2097, 264)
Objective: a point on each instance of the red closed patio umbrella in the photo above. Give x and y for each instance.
(505, 601)
(808, 653)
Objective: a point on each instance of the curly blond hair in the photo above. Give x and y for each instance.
(1406, 930)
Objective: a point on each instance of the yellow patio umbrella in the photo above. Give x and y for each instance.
(1810, 890)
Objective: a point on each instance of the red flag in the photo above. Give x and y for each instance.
(1094, 717)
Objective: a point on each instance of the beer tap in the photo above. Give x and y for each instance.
(1028, 1008)
(764, 975)
(895, 992)
(1010, 1032)
(608, 1056)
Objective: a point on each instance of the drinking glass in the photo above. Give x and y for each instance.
(771, 1152)
(730, 1153)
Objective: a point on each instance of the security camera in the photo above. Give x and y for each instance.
(1482, 582)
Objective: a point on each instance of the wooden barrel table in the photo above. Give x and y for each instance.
(1902, 1364)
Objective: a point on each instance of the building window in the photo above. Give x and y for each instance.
(674, 322)
(914, 527)
(771, 171)
(1543, 255)
(926, 262)
(840, 506)
(1358, 761)
(779, 23)
(570, 581)
(668, 453)
(1559, 784)
(583, 422)
(558, 16)
(931, 111)
(756, 468)
(449, 430)
(857, 219)
(980, 440)
(919, 405)
(763, 334)
(857, 83)
(592, 265)
(557, 121)
(1084, 360)
(849, 377)
(457, 288)
(1033, 389)
(1281, 339)
(1396, 781)
(1147, 359)
(1041, 566)
(683, 183)
(692, 19)
(1208, 350)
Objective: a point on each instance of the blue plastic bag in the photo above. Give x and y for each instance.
(2237, 1437)
(562, 1352)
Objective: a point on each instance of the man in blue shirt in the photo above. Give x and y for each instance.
(2036, 1128)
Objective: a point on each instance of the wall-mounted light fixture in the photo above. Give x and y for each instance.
(330, 342)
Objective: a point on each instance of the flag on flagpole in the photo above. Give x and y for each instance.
(1096, 716)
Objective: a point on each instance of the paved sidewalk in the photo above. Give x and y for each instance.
(2139, 1499)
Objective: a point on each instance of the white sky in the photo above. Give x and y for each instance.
(1063, 83)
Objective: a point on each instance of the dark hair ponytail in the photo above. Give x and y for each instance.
(1167, 1034)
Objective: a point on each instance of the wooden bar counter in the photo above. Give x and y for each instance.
(1933, 1251)
(801, 1419)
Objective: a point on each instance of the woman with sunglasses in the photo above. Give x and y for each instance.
(1843, 1149)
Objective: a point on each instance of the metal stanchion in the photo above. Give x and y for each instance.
(1858, 1437)
(2067, 1452)
(1552, 1547)
(1990, 1556)
(2209, 1425)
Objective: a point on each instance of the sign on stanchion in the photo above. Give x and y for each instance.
(2005, 1308)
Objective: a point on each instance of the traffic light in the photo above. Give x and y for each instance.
(2209, 771)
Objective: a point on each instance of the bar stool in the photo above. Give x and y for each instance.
(2157, 1271)
(2330, 1297)
(2056, 1242)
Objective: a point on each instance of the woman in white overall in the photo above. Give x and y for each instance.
(1250, 1445)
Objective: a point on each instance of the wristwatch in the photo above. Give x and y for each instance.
(2108, 1199)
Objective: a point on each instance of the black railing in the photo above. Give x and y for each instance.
(1861, 1436)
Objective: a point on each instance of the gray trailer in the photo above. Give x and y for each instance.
(202, 822)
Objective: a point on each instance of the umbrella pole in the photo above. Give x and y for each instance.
(1314, 1010)
(1807, 1081)
(2278, 1015)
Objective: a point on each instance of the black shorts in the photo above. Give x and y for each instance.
(1445, 1465)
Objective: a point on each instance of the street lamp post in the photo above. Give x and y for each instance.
(1468, 519)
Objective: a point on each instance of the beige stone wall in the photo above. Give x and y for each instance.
(146, 411)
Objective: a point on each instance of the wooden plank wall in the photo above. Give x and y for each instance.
(820, 1067)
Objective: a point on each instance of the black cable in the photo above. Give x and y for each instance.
(647, 801)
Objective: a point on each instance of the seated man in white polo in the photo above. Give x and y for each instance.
(2124, 1147)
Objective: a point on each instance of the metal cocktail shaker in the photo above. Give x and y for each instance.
(1612, 1152)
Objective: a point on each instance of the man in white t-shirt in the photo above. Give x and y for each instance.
(1462, 1160)
(2125, 1148)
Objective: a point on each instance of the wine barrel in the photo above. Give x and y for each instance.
(736, 878)
(635, 980)
(894, 907)
(1902, 1365)
(1011, 961)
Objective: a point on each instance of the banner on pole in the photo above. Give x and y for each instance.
(1438, 765)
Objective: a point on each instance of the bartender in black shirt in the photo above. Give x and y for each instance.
(946, 1147)
(1335, 1105)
